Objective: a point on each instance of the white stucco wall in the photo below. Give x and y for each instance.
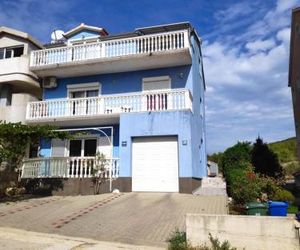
(249, 232)
(17, 111)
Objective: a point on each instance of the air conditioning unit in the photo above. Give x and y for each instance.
(49, 82)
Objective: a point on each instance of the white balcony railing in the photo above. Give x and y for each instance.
(164, 100)
(68, 167)
(112, 48)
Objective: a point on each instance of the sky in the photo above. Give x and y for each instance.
(245, 51)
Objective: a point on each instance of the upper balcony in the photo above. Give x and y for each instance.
(106, 109)
(15, 71)
(118, 55)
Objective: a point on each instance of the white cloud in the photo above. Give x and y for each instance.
(261, 45)
(36, 17)
(250, 92)
(284, 36)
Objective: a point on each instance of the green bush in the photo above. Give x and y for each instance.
(291, 167)
(244, 185)
(282, 195)
(237, 156)
(178, 241)
(217, 245)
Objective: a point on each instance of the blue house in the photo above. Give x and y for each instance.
(136, 98)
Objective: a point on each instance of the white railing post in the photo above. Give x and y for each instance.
(186, 39)
(113, 48)
(154, 100)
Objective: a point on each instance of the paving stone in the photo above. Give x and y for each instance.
(133, 218)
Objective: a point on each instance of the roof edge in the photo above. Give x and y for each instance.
(83, 26)
(18, 33)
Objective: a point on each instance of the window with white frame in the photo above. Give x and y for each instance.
(10, 52)
(84, 90)
(156, 101)
(83, 147)
(156, 83)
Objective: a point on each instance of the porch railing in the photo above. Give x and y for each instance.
(159, 100)
(113, 48)
(68, 167)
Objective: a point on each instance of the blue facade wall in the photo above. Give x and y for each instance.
(126, 82)
(84, 34)
(198, 119)
(45, 148)
(176, 123)
(188, 126)
(45, 144)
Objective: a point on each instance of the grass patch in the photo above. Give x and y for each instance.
(292, 209)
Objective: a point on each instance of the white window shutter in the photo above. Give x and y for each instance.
(58, 148)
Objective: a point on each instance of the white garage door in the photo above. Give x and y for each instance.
(155, 164)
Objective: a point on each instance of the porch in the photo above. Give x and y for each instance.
(69, 167)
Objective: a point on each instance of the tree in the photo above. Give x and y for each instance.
(264, 160)
(100, 172)
(16, 137)
(215, 157)
(237, 156)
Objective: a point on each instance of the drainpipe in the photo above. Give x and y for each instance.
(111, 158)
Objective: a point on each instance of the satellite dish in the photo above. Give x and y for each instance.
(57, 35)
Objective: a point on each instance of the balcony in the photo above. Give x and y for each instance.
(15, 71)
(68, 167)
(17, 110)
(119, 55)
(87, 111)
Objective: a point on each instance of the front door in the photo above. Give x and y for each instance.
(81, 151)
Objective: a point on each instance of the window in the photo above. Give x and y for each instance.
(84, 90)
(11, 52)
(83, 147)
(86, 93)
(156, 101)
(75, 148)
(156, 83)
(90, 146)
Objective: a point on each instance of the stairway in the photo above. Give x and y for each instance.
(211, 186)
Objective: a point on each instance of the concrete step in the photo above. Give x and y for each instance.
(211, 186)
(213, 182)
(210, 191)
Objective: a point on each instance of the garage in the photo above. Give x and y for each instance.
(155, 164)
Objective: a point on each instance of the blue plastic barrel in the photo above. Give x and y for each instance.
(278, 208)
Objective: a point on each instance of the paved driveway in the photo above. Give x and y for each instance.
(133, 218)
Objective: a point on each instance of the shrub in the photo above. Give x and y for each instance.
(237, 156)
(291, 167)
(245, 186)
(282, 195)
(217, 245)
(177, 240)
